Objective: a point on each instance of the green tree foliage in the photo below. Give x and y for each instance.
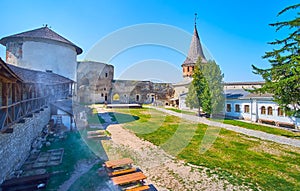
(214, 77)
(282, 79)
(206, 89)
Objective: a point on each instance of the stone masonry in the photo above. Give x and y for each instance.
(15, 147)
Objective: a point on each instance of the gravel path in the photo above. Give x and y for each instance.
(162, 170)
(249, 132)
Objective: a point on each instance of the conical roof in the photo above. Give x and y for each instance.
(195, 50)
(41, 33)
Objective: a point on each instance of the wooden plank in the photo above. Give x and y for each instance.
(96, 132)
(128, 178)
(95, 136)
(140, 188)
(122, 172)
(25, 180)
(117, 163)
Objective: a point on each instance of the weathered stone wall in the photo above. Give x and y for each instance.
(129, 91)
(15, 147)
(94, 82)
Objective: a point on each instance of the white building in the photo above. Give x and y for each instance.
(261, 108)
(44, 50)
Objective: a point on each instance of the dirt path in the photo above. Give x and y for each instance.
(162, 170)
(81, 168)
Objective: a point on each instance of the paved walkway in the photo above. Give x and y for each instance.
(249, 132)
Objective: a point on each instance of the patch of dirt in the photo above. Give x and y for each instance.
(265, 147)
(162, 170)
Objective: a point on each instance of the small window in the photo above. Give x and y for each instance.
(102, 95)
(237, 108)
(263, 110)
(270, 111)
(188, 69)
(228, 107)
(280, 111)
(106, 74)
(104, 89)
(246, 108)
(137, 98)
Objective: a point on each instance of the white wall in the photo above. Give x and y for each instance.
(55, 56)
(255, 111)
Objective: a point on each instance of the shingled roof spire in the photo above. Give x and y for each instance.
(196, 50)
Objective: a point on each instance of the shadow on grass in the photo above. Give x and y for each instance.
(122, 118)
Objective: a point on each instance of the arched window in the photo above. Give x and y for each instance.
(246, 108)
(270, 111)
(263, 110)
(137, 98)
(280, 112)
(116, 97)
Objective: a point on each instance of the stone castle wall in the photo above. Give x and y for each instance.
(142, 92)
(94, 82)
(15, 147)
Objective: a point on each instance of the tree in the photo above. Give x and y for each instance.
(214, 78)
(206, 89)
(282, 79)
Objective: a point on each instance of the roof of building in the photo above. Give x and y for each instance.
(38, 77)
(195, 50)
(244, 94)
(235, 93)
(7, 74)
(184, 82)
(259, 95)
(65, 105)
(41, 33)
(243, 83)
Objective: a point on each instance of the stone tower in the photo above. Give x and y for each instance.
(44, 50)
(193, 55)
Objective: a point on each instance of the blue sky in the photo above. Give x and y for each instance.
(235, 32)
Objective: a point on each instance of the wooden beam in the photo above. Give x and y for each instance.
(8, 130)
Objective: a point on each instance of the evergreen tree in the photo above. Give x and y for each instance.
(206, 89)
(283, 78)
(214, 78)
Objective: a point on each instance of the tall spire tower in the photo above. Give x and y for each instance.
(194, 53)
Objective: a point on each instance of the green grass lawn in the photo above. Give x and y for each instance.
(235, 157)
(74, 150)
(275, 131)
(94, 118)
(271, 130)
